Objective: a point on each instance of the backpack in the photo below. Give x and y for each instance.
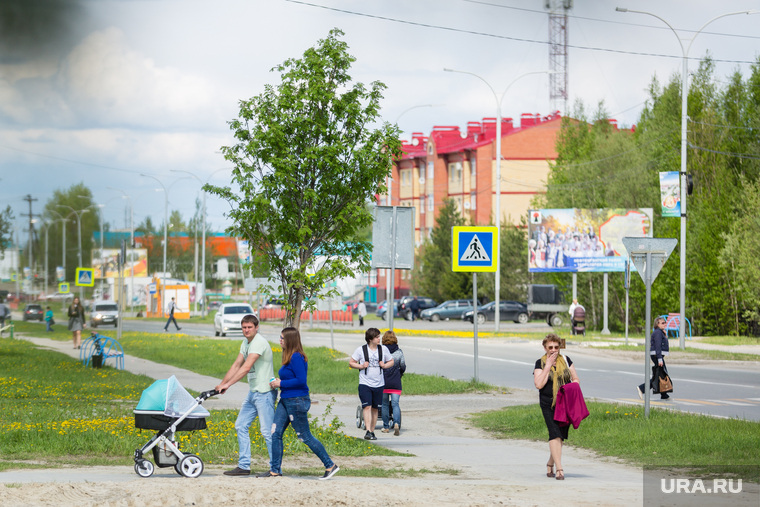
(365, 349)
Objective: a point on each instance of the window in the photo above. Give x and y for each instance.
(455, 173)
(473, 173)
(406, 177)
(473, 200)
(431, 169)
(422, 205)
(430, 202)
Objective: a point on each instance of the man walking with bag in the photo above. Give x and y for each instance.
(170, 310)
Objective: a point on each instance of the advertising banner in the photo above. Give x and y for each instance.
(583, 240)
(670, 194)
(137, 262)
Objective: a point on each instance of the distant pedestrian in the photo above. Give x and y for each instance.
(551, 372)
(170, 310)
(371, 359)
(5, 313)
(361, 309)
(659, 347)
(294, 404)
(392, 388)
(76, 321)
(49, 321)
(414, 308)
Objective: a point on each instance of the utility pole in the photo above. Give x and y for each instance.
(28, 198)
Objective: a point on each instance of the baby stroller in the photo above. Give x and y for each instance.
(167, 407)
(579, 321)
(360, 420)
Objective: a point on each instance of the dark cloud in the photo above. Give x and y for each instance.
(35, 28)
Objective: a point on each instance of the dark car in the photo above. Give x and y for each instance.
(214, 304)
(404, 309)
(508, 310)
(34, 312)
(452, 309)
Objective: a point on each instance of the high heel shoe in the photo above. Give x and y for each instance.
(550, 473)
(560, 475)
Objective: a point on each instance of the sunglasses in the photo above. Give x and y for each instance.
(553, 348)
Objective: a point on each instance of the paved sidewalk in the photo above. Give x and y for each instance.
(431, 431)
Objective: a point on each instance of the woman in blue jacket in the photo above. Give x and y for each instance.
(294, 405)
(658, 349)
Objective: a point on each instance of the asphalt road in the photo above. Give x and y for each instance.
(718, 388)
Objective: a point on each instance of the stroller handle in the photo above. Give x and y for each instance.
(208, 394)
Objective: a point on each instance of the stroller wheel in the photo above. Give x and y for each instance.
(359, 417)
(144, 468)
(191, 466)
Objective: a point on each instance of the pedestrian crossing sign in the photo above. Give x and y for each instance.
(85, 277)
(474, 248)
(63, 288)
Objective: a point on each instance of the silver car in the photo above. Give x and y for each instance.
(104, 313)
(228, 317)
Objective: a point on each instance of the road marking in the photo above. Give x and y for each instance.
(738, 404)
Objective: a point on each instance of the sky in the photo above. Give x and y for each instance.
(102, 91)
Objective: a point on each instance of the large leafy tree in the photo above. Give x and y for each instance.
(306, 161)
(6, 228)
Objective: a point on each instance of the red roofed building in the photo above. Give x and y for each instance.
(461, 166)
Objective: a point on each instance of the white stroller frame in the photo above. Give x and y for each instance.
(187, 465)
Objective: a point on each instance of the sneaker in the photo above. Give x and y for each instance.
(664, 397)
(396, 429)
(179, 329)
(330, 472)
(386, 430)
(238, 472)
(638, 391)
(368, 435)
(372, 436)
(268, 473)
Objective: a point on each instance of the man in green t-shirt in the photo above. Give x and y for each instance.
(255, 361)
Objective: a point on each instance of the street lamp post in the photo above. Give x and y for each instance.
(63, 247)
(131, 247)
(166, 225)
(499, 100)
(684, 120)
(79, 236)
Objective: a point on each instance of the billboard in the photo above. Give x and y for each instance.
(106, 267)
(583, 240)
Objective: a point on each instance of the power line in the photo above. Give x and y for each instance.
(504, 37)
(719, 152)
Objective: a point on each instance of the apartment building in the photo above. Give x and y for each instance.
(457, 165)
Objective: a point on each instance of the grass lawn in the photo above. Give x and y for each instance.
(55, 412)
(667, 438)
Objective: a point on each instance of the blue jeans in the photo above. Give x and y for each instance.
(255, 404)
(49, 328)
(294, 411)
(388, 400)
(169, 321)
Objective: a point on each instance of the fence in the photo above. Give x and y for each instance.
(338, 316)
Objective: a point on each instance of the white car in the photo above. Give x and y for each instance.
(228, 317)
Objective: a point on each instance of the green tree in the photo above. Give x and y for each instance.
(432, 275)
(6, 228)
(62, 206)
(306, 163)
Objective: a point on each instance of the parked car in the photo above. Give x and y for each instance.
(34, 312)
(406, 312)
(382, 310)
(214, 305)
(274, 303)
(104, 312)
(508, 310)
(228, 317)
(452, 309)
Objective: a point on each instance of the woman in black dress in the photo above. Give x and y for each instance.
(553, 371)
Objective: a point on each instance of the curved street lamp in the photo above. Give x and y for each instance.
(684, 120)
(499, 101)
